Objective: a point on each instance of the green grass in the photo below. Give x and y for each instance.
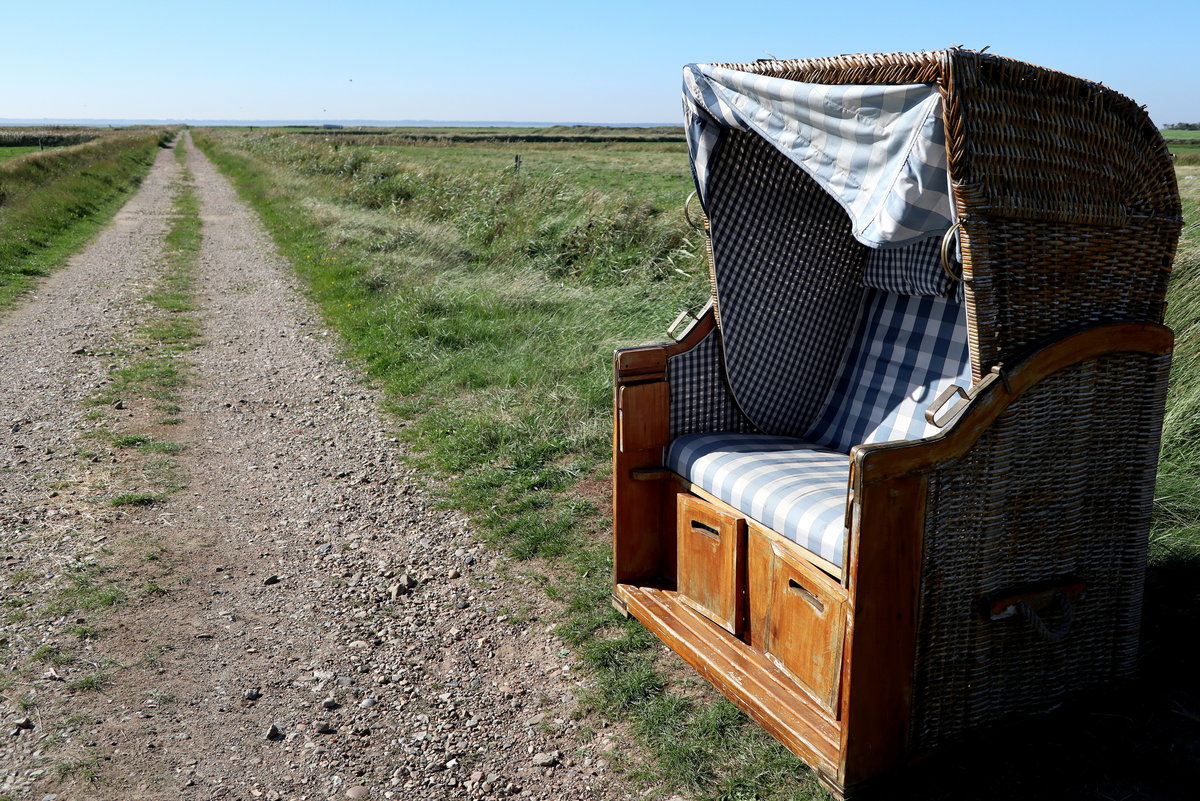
(90, 682)
(487, 304)
(85, 590)
(13, 152)
(168, 331)
(53, 655)
(52, 203)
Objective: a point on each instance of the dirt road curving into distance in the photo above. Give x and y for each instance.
(291, 620)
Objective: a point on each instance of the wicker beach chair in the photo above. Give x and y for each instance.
(894, 482)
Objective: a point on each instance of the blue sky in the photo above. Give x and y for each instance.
(617, 61)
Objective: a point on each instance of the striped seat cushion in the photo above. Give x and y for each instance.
(790, 486)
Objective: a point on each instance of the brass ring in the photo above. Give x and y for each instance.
(687, 215)
(946, 240)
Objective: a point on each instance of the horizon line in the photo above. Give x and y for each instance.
(362, 123)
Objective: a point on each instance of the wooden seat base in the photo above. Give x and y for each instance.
(743, 674)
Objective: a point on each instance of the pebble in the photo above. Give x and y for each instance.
(269, 580)
(273, 733)
(322, 727)
(546, 760)
(252, 694)
(358, 791)
(367, 703)
(23, 723)
(330, 703)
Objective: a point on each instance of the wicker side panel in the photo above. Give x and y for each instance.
(1029, 281)
(1060, 486)
(700, 401)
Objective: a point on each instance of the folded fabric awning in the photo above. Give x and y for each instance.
(880, 150)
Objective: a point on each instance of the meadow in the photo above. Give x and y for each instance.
(486, 302)
(16, 151)
(53, 200)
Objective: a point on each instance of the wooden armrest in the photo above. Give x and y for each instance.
(649, 362)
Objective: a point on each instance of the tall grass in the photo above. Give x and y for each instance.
(48, 136)
(51, 201)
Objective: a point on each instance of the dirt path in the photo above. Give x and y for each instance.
(298, 580)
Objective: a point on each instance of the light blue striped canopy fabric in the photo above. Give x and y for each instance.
(879, 150)
(792, 487)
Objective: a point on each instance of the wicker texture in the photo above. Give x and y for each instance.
(788, 280)
(1060, 486)
(700, 400)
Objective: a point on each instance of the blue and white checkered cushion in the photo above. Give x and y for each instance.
(906, 350)
(914, 269)
(790, 486)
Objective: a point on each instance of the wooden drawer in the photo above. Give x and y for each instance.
(711, 562)
(805, 625)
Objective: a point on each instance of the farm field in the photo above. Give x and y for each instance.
(7, 153)
(1185, 144)
(486, 302)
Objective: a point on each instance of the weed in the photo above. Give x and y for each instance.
(137, 499)
(92, 681)
(53, 655)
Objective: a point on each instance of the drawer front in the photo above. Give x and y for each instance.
(806, 626)
(711, 562)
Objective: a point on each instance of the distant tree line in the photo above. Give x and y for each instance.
(1184, 126)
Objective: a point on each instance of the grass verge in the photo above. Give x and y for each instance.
(53, 202)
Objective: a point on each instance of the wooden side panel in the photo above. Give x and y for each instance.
(758, 587)
(643, 549)
(642, 416)
(806, 626)
(881, 641)
(711, 547)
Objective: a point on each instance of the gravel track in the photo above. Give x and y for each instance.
(325, 633)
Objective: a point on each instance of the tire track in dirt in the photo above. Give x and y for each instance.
(324, 632)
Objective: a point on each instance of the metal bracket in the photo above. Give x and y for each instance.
(931, 414)
(947, 258)
(685, 315)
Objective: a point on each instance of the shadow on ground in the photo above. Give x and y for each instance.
(1136, 742)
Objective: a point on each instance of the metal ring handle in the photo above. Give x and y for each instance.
(946, 240)
(687, 214)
